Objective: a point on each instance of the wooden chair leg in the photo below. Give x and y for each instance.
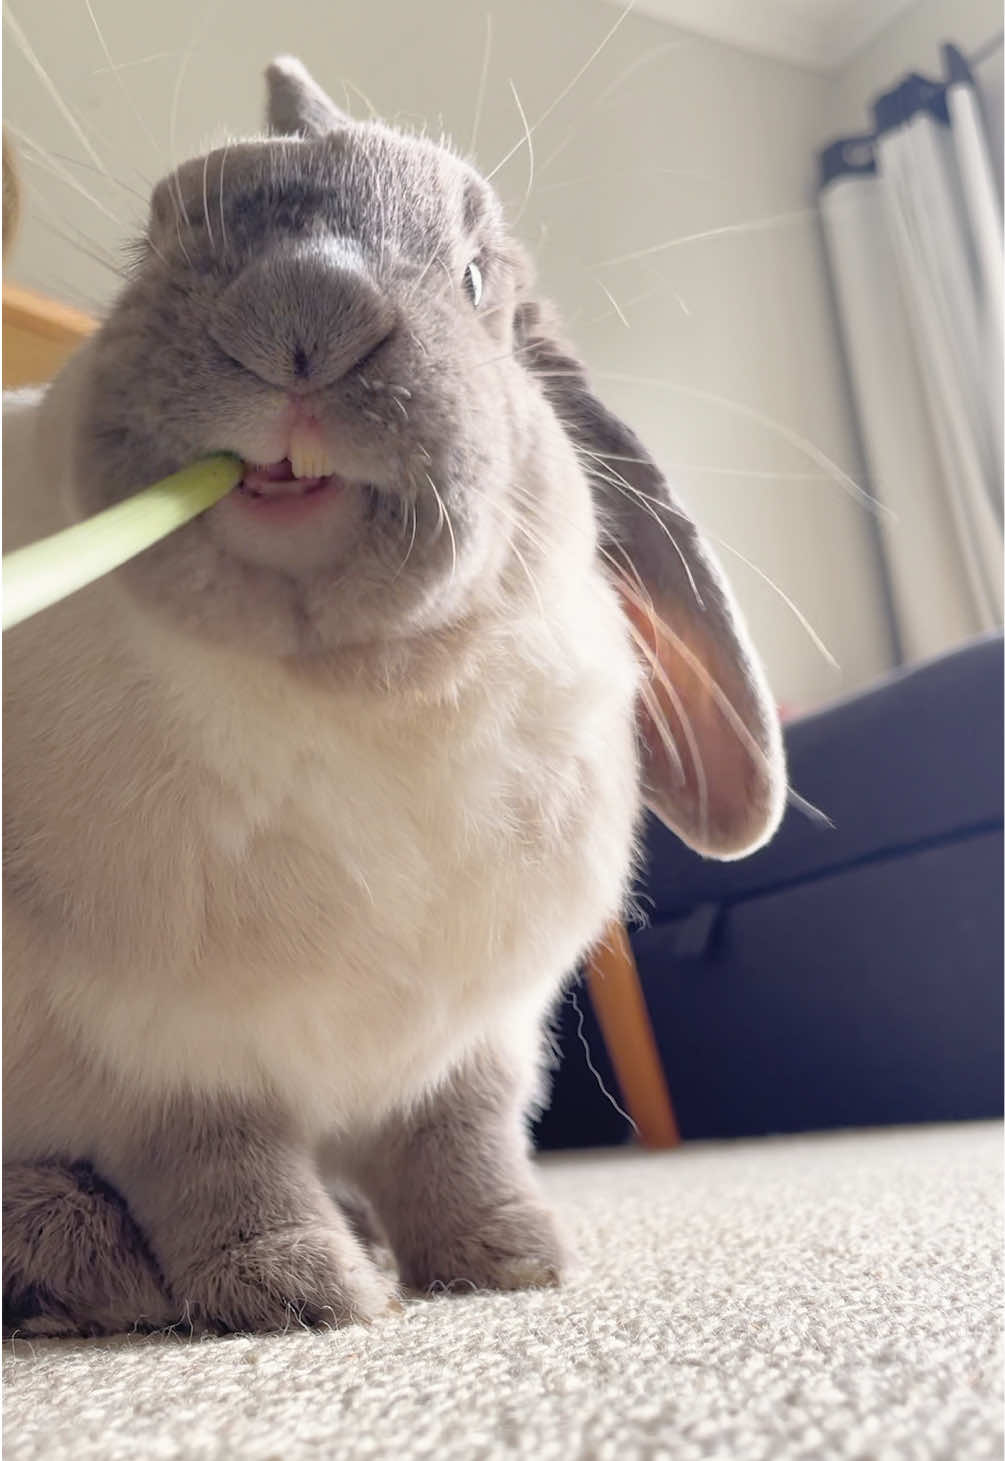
(620, 1007)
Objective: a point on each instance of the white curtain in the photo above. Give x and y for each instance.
(913, 223)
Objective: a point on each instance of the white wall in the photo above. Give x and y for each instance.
(667, 135)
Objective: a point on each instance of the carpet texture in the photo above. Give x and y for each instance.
(834, 1297)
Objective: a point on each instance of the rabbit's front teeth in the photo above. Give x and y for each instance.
(309, 456)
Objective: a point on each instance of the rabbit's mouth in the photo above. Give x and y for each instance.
(277, 491)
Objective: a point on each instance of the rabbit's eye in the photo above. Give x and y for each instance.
(473, 283)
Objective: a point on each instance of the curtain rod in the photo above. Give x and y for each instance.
(914, 93)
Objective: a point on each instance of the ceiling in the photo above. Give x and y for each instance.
(819, 34)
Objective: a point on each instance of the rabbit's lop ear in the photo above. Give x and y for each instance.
(297, 107)
(713, 764)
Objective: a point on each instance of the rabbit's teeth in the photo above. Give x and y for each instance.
(309, 456)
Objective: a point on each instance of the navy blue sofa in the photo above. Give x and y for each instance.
(844, 976)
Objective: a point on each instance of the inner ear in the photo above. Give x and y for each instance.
(296, 105)
(711, 756)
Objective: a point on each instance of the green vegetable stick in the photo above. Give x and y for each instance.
(50, 570)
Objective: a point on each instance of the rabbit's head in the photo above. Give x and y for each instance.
(343, 307)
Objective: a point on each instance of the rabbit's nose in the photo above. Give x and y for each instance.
(302, 320)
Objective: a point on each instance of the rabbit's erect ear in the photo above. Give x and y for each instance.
(296, 104)
(713, 764)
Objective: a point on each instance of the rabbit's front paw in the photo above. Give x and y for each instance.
(297, 1275)
(513, 1246)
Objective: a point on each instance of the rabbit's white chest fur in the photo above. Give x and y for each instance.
(372, 893)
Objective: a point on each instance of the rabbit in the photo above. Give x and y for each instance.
(313, 807)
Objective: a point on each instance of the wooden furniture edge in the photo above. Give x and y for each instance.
(38, 315)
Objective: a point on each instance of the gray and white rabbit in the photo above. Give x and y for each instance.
(311, 808)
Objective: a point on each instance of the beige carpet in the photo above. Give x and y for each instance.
(833, 1297)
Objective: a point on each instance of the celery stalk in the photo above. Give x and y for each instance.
(45, 572)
